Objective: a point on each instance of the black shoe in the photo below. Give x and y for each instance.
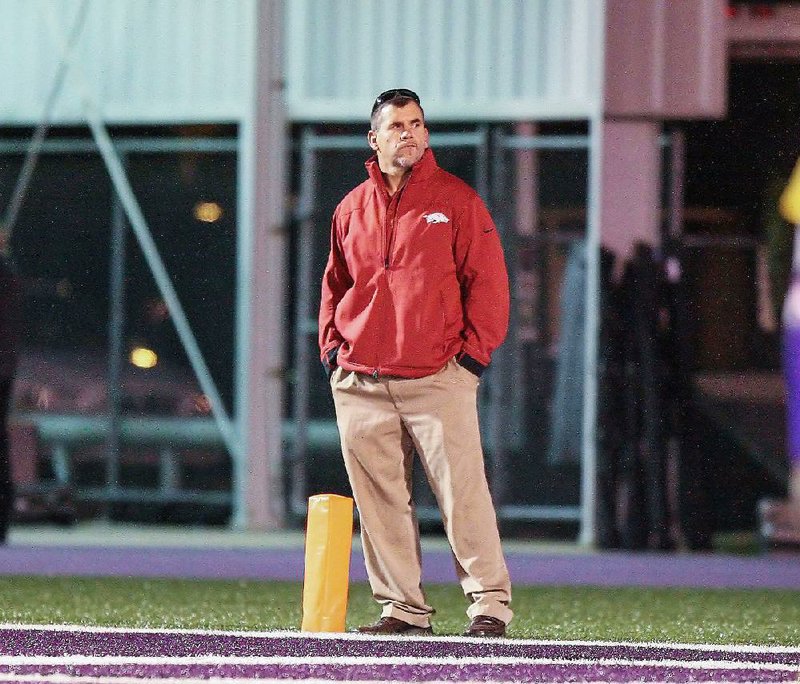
(391, 625)
(486, 626)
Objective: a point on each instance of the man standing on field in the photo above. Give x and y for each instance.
(414, 301)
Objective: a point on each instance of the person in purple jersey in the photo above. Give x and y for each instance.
(781, 519)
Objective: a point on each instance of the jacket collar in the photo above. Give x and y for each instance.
(421, 171)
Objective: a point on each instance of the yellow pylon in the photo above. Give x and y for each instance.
(329, 539)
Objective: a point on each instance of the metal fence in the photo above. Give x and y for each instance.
(540, 217)
(535, 187)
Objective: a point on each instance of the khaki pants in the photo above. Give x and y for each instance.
(381, 423)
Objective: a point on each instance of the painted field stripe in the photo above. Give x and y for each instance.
(348, 661)
(290, 634)
(82, 679)
(79, 679)
(68, 679)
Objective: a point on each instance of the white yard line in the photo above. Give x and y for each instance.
(287, 634)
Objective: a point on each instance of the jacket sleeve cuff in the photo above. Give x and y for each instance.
(329, 362)
(471, 364)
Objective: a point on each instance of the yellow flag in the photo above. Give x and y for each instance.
(789, 204)
(329, 533)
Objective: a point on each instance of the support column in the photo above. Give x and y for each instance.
(663, 60)
(258, 491)
(631, 175)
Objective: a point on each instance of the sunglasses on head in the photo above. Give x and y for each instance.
(388, 95)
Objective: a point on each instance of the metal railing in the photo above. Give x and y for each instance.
(63, 440)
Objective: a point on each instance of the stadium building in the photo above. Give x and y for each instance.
(168, 169)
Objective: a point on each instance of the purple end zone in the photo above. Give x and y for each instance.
(519, 672)
(133, 643)
(237, 657)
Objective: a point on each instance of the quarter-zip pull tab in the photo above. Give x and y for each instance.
(375, 374)
(390, 225)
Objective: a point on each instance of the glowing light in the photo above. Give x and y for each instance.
(142, 357)
(208, 212)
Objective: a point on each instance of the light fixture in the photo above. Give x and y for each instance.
(142, 357)
(208, 212)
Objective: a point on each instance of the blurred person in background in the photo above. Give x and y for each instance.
(9, 341)
(780, 519)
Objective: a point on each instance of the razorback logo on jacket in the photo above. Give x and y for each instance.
(436, 217)
(402, 298)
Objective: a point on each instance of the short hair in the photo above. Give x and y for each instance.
(399, 97)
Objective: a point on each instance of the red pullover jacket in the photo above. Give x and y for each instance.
(413, 280)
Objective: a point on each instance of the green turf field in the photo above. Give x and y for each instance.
(764, 617)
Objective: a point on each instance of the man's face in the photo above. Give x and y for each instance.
(401, 137)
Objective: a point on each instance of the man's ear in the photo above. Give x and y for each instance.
(372, 139)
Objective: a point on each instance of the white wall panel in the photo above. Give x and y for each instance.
(486, 59)
(144, 60)
(167, 61)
